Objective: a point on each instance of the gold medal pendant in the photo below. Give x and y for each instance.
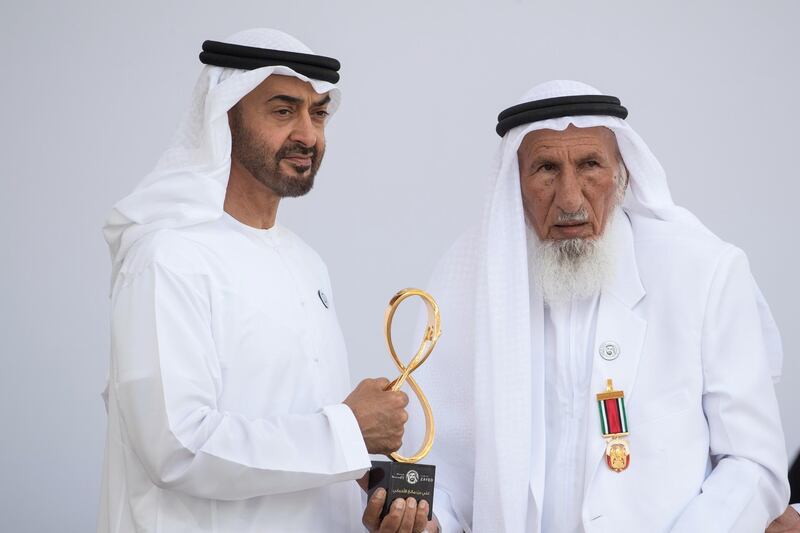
(618, 456)
(614, 426)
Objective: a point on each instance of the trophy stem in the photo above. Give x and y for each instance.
(404, 477)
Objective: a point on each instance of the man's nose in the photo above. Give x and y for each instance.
(569, 196)
(304, 131)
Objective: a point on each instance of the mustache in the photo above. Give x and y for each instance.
(580, 216)
(295, 149)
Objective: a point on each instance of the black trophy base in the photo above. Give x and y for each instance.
(402, 480)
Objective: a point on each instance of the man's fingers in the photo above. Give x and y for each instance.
(402, 398)
(372, 514)
(422, 517)
(409, 516)
(391, 522)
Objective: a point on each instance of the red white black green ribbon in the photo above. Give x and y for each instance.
(613, 419)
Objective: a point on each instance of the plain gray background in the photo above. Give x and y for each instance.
(92, 91)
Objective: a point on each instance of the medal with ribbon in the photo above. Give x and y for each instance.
(614, 425)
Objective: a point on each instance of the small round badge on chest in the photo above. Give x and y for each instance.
(323, 298)
(609, 350)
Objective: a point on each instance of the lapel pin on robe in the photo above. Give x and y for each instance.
(614, 425)
(609, 350)
(323, 298)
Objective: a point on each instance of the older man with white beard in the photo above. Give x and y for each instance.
(571, 251)
(610, 361)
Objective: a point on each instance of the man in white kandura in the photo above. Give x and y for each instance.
(228, 376)
(614, 360)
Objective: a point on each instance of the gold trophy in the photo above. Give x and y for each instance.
(404, 477)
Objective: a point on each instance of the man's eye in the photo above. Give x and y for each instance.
(547, 167)
(592, 163)
(283, 112)
(322, 114)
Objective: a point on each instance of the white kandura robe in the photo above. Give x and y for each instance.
(569, 330)
(706, 442)
(225, 388)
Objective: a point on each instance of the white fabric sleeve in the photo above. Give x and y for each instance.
(167, 381)
(445, 514)
(748, 486)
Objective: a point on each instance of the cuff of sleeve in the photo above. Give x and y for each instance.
(796, 507)
(348, 434)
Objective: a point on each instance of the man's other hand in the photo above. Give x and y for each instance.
(380, 413)
(788, 522)
(404, 516)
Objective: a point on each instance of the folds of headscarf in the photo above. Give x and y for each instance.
(188, 184)
(494, 299)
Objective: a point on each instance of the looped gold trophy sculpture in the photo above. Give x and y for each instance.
(403, 477)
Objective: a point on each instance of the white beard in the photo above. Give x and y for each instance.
(569, 269)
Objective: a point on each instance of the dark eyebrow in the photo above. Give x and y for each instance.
(542, 158)
(286, 98)
(592, 155)
(324, 100)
